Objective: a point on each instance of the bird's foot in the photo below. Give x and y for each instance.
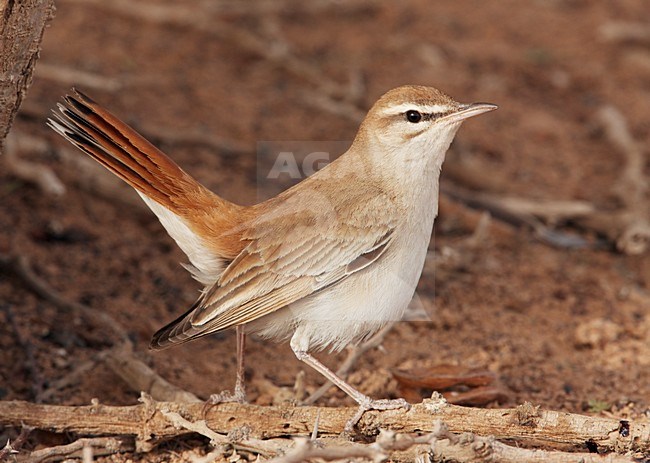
(225, 397)
(369, 404)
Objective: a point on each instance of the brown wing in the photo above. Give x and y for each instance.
(305, 244)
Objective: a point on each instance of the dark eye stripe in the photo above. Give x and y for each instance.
(427, 116)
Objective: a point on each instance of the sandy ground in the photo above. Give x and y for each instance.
(567, 329)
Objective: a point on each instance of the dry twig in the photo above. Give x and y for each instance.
(37, 380)
(265, 448)
(149, 425)
(78, 77)
(20, 267)
(28, 171)
(99, 445)
(140, 377)
(181, 15)
(519, 211)
(268, 7)
(12, 448)
(629, 226)
(625, 31)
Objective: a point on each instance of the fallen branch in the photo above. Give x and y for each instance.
(625, 31)
(520, 211)
(83, 79)
(266, 448)
(35, 374)
(155, 133)
(98, 445)
(140, 377)
(20, 267)
(27, 171)
(632, 184)
(268, 7)
(629, 225)
(149, 424)
(201, 20)
(12, 448)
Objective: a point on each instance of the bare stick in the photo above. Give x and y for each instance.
(267, 7)
(353, 355)
(37, 380)
(472, 448)
(632, 184)
(181, 15)
(625, 31)
(325, 102)
(628, 227)
(19, 266)
(305, 450)
(83, 79)
(519, 211)
(142, 378)
(73, 377)
(148, 423)
(166, 135)
(100, 445)
(261, 447)
(28, 171)
(12, 448)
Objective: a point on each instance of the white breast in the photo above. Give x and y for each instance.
(365, 301)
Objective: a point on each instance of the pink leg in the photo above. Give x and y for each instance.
(239, 395)
(365, 402)
(240, 387)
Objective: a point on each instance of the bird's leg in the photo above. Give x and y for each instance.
(239, 396)
(240, 387)
(365, 402)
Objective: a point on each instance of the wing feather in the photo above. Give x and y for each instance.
(288, 257)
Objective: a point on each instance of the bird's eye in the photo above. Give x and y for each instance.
(413, 116)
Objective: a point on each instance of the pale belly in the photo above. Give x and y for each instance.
(358, 306)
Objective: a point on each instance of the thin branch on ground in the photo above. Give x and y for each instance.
(100, 445)
(19, 266)
(626, 32)
(28, 171)
(83, 79)
(12, 448)
(122, 361)
(201, 20)
(629, 225)
(519, 211)
(148, 423)
(267, 7)
(155, 133)
(632, 185)
(194, 137)
(325, 102)
(265, 448)
(71, 378)
(37, 380)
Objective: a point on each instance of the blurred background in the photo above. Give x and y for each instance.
(544, 297)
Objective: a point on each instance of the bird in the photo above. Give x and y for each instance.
(324, 264)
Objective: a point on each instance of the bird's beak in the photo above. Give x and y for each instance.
(468, 110)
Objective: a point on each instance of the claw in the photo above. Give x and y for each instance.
(224, 397)
(370, 404)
